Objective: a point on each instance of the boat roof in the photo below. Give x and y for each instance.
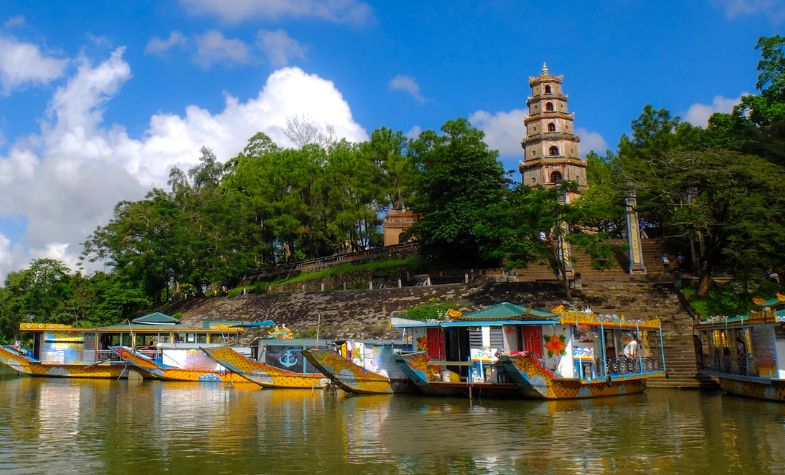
(767, 313)
(308, 342)
(128, 328)
(156, 318)
(503, 313)
(508, 311)
(263, 323)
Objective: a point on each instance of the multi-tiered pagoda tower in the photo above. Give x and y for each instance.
(551, 153)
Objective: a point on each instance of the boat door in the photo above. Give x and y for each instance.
(532, 339)
(435, 345)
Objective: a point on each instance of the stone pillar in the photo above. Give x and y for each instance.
(564, 251)
(636, 265)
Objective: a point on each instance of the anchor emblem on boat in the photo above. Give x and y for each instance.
(288, 359)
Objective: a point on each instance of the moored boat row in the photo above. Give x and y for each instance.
(502, 350)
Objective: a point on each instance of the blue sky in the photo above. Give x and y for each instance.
(99, 99)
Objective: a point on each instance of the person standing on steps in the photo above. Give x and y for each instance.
(666, 262)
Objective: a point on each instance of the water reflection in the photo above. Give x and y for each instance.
(136, 427)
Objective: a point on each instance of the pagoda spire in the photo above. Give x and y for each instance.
(544, 69)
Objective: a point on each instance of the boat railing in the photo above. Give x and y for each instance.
(622, 365)
(729, 364)
(107, 355)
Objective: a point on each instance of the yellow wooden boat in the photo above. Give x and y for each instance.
(187, 363)
(371, 369)
(541, 354)
(264, 374)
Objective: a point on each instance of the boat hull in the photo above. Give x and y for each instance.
(153, 370)
(536, 381)
(353, 378)
(25, 365)
(751, 386)
(429, 380)
(264, 374)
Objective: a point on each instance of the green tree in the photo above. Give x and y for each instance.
(757, 125)
(459, 178)
(395, 171)
(40, 291)
(139, 243)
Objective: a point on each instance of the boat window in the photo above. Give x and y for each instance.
(216, 338)
(179, 337)
(190, 337)
(201, 337)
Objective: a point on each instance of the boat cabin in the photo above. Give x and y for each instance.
(287, 354)
(572, 344)
(745, 345)
(51, 343)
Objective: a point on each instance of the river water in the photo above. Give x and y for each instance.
(117, 427)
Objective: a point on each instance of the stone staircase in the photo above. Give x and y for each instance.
(647, 295)
(641, 299)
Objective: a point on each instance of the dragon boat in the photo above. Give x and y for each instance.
(70, 362)
(746, 353)
(178, 362)
(57, 350)
(280, 364)
(363, 367)
(509, 350)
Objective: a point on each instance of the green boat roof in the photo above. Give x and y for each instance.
(156, 318)
(506, 310)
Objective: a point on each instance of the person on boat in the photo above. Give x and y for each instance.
(17, 346)
(741, 355)
(631, 349)
(726, 359)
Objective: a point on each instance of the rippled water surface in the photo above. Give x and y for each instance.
(67, 426)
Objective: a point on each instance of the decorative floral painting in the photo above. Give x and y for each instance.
(554, 346)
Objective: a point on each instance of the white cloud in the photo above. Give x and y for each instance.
(698, 114)
(279, 47)
(65, 181)
(6, 259)
(159, 46)
(212, 47)
(414, 132)
(14, 22)
(774, 9)
(406, 84)
(503, 130)
(337, 11)
(591, 142)
(22, 63)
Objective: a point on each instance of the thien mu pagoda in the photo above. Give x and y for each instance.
(551, 148)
